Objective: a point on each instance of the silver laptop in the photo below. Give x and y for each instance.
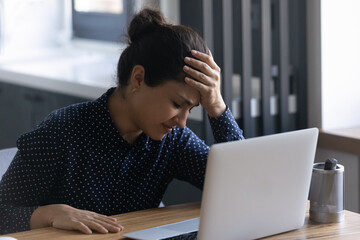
(253, 188)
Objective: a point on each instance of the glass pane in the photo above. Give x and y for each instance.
(103, 6)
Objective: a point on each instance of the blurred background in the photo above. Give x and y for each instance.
(286, 64)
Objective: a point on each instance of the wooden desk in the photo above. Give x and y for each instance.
(348, 229)
(343, 140)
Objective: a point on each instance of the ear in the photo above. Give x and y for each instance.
(137, 77)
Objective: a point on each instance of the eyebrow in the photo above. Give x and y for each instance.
(188, 102)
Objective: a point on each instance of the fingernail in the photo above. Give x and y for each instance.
(187, 59)
(186, 68)
(194, 51)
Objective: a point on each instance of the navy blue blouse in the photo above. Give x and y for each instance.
(77, 157)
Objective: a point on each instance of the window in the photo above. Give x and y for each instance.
(104, 6)
(105, 20)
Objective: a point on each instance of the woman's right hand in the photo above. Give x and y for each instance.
(66, 217)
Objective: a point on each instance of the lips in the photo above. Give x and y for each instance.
(167, 128)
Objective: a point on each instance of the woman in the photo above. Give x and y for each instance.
(119, 153)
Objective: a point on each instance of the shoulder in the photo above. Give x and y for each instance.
(79, 112)
(66, 117)
(61, 120)
(69, 114)
(53, 123)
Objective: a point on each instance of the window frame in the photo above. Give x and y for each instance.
(101, 26)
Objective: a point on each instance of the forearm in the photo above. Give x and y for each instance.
(14, 218)
(20, 195)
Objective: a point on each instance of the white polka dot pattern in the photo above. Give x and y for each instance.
(77, 157)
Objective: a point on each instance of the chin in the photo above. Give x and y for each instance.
(156, 136)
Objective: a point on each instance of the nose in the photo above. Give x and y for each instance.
(181, 118)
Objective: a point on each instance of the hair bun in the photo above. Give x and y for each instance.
(144, 22)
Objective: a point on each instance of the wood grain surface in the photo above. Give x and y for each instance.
(349, 229)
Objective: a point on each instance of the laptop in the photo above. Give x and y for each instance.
(253, 188)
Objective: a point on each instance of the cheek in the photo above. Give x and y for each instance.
(148, 112)
(153, 109)
(161, 113)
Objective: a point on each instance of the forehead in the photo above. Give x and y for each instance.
(181, 90)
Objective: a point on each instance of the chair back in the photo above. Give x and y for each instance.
(6, 156)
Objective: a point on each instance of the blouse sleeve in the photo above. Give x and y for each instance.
(28, 179)
(191, 152)
(225, 128)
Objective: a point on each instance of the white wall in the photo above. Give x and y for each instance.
(340, 63)
(333, 37)
(334, 65)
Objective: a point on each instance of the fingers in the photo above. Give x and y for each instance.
(204, 75)
(105, 218)
(82, 228)
(198, 65)
(195, 84)
(203, 71)
(97, 226)
(102, 223)
(205, 58)
(210, 53)
(87, 226)
(70, 218)
(199, 76)
(202, 68)
(110, 225)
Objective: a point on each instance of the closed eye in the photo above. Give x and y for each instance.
(177, 106)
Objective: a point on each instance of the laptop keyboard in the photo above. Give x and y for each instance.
(185, 236)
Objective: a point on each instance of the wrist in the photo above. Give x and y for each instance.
(41, 217)
(217, 110)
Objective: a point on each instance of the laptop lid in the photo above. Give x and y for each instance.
(257, 187)
(253, 188)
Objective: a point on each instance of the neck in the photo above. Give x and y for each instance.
(121, 115)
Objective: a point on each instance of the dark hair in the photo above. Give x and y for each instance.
(159, 47)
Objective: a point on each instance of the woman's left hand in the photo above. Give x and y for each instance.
(205, 77)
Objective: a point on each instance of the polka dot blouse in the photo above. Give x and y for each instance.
(77, 157)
